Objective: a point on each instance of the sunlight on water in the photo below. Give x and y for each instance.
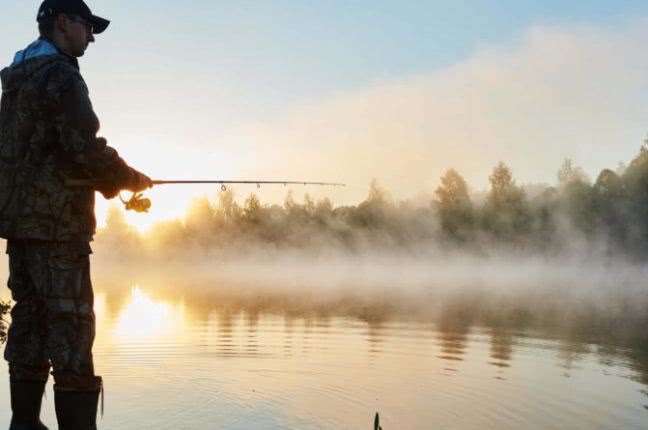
(144, 319)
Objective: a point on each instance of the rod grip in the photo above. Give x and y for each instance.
(83, 183)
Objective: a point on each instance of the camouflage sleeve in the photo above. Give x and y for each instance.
(77, 126)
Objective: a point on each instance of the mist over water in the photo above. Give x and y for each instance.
(279, 340)
(321, 340)
(597, 298)
(272, 337)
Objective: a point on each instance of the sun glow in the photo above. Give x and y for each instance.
(169, 161)
(146, 319)
(167, 204)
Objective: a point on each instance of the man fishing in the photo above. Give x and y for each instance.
(48, 135)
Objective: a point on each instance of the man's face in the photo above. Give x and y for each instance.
(78, 35)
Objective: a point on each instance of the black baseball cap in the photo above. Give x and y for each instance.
(72, 7)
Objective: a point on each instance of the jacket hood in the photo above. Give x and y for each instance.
(38, 48)
(28, 61)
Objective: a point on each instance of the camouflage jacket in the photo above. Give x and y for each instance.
(48, 133)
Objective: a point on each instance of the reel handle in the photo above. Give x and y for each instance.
(137, 203)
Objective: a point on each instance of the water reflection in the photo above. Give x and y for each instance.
(276, 367)
(225, 329)
(288, 329)
(252, 317)
(453, 329)
(570, 352)
(145, 319)
(374, 339)
(501, 348)
(453, 345)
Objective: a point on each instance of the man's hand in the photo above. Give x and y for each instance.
(109, 192)
(139, 182)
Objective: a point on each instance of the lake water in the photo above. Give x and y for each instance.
(173, 361)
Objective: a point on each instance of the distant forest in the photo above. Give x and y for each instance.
(608, 215)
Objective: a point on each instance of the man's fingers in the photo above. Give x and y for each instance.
(141, 182)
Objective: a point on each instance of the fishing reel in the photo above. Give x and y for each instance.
(137, 203)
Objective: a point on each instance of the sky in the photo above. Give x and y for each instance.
(348, 91)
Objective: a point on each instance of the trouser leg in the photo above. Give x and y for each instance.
(71, 320)
(25, 350)
(58, 327)
(69, 343)
(53, 319)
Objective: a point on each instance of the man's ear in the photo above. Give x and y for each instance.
(61, 22)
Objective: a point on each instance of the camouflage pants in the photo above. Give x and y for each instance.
(53, 322)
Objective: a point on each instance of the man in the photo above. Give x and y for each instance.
(48, 134)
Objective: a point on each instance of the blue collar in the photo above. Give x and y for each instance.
(38, 48)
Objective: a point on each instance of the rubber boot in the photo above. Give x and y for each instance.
(77, 409)
(26, 399)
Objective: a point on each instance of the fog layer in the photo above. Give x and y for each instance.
(567, 256)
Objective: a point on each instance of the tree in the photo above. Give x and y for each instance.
(454, 205)
(309, 205)
(578, 202)
(324, 208)
(635, 183)
(568, 173)
(506, 213)
(609, 185)
(543, 211)
(610, 201)
(378, 196)
(227, 208)
(252, 209)
(373, 211)
(323, 212)
(295, 213)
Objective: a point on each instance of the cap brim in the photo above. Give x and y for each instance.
(99, 25)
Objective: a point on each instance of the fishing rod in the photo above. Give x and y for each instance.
(139, 203)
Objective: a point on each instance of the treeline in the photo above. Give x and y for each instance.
(608, 215)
